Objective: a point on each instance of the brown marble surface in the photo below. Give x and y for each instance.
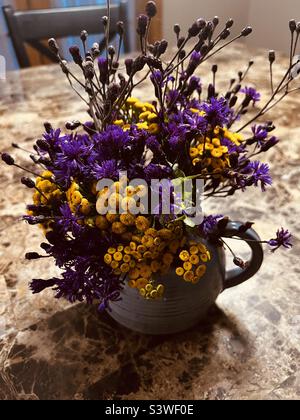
(247, 348)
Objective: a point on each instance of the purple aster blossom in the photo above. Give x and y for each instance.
(209, 224)
(217, 112)
(251, 95)
(154, 171)
(254, 173)
(107, 169)
(69, 221)
(283, 239)
(260, 134)
(157, 78)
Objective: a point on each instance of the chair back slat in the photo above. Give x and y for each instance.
(35, 25)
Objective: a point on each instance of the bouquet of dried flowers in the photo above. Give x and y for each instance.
(92, 180)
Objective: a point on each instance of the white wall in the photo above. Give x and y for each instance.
(186, 12)
(269, 18)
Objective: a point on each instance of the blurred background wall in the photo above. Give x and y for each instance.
(268, 17)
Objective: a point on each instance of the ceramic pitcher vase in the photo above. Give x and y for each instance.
(185, 304)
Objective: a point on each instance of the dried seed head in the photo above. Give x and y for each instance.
(246, 31)
(105, 21)
(292, 25)
(48, 127)
(214, 68)
(177, 29)
(43, 145)
(83, 36)
(53, 45)
(229, 23)
(201, 23)
(162, 47)
(272, 56)
(8, 159)
(194, 30)
(225, 34)
(29, 183)
(151, 9)
(75, 53)
(142, 25)
(129, 66)
(216, 21)
(111, 50)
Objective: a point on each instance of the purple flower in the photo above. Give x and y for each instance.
(195, 60)
(217, 112)
(283, 239)
(209, 224)
(251, 95)
(107, 169)
(69, 221)
(260, 173)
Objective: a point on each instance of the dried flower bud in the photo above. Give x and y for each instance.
(162, 47)
(204, 49)
(292, 25)
(103, 69)
(182, 54)
(240, 263)
(201, 23)
(120, 28)
(225, 34)
(48, 127)
(229, 23)
(222, 224)
(105, 21)
(269, 144)
(83, 36)
(29, 183)
(246, 31)
(72, 125)
(8, 159)
(129, 66)
(298, 28)
(233, 101)
(139, 64)
(53, 45)
(246, 226)
(194, 63)
(142, 25)
(211, 92)
(177, 29)
(111, 50)
(194, 30)
(32, 256)
(88, 68)
(214, 68)
(43, 145)
(216, 21)
(75, 53)
(151, 9)
(207, 31)
(272, 56)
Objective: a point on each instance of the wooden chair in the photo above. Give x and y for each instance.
(35, 25)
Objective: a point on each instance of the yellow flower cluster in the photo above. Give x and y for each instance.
(120, 198)
(193, 261)
(47, 191)
(143, 113)
(210, 153)
(76, 200)
(151, 252)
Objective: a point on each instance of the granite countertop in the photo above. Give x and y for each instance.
(247, 348)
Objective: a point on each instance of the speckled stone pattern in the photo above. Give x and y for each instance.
(247, 348)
